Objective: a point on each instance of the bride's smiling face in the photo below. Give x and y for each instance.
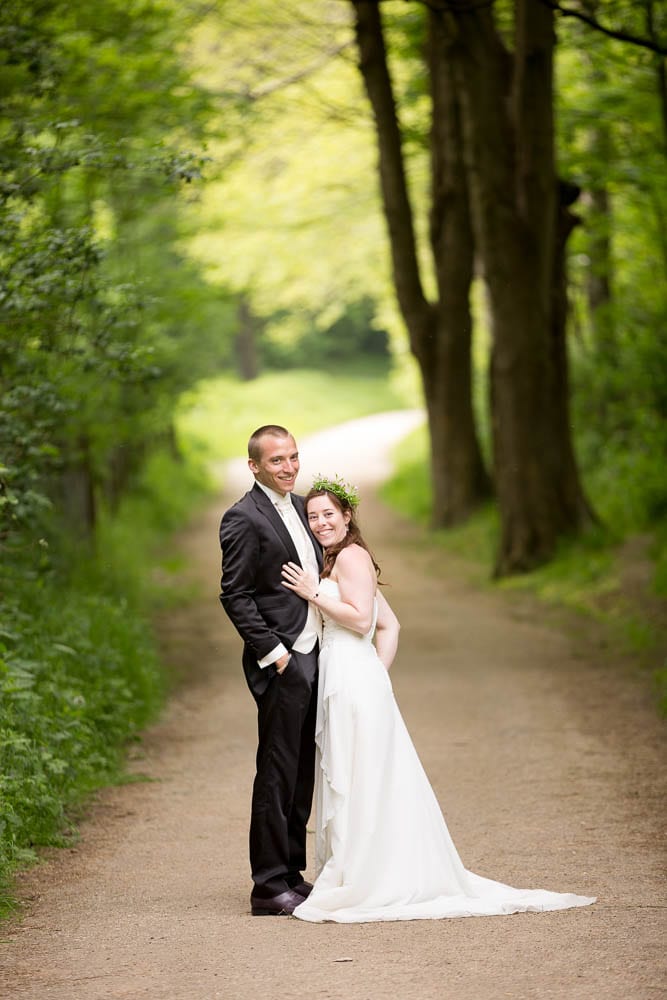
(327, 521)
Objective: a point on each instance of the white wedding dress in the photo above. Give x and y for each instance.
(383, 850)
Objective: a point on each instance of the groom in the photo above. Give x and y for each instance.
(266, 528)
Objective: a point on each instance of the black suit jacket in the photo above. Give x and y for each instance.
(255, 543)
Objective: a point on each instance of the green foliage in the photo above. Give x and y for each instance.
(612, 144)
(622, 416)
(166, 495)
(79, 671)
(297, 200)
(78, 677)
(87, 361)
(353, 336)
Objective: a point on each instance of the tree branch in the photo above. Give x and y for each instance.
(301, 74)
(652, 44)
(661, 69)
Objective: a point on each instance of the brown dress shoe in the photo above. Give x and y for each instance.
(282, 905)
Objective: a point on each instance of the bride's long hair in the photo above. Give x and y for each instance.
(353, 536)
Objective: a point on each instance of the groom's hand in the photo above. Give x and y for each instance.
(282, 662)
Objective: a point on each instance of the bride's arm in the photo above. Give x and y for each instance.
(356, 580)
(386, 634)
(357, 583)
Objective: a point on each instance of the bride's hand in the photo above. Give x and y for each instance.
(302, 581)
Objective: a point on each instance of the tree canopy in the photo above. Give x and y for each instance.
(101, 128)
(191, 188)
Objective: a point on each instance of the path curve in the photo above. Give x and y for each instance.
(545, 753)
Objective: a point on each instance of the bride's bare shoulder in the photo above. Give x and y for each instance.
(353, 558)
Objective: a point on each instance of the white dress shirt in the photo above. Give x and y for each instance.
(304, 547)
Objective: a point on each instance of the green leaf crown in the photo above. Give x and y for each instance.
(339, 488)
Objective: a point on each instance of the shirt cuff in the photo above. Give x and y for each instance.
(271, 657)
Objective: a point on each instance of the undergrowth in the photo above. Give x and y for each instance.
(79, 670)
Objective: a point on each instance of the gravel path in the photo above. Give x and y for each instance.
(544, 750)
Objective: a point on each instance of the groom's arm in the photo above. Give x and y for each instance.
(240, 543)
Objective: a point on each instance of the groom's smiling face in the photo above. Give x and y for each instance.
(278, 464)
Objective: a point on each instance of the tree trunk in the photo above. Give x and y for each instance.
(172, 443)
(447, 373)
(439, 334)
(121, 470)
(599, 224)
(508, 141)
(572, 497)
(76, 487)
(598, 277)
(246, 341)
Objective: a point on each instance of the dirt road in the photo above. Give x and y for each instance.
(546, 755)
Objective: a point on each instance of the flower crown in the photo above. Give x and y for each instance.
(339, 488)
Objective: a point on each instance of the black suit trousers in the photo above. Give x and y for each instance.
(283, 788)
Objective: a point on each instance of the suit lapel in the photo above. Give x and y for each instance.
(265, 507)
(301, 511)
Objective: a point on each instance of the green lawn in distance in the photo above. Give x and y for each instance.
(217, 417)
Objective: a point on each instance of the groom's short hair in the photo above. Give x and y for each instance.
(254, 444)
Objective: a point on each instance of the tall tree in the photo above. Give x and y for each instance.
(440, 331)
(506, 99)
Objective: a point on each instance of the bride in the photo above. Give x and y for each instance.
(383, 850)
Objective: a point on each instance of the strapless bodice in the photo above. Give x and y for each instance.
(332, 630)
